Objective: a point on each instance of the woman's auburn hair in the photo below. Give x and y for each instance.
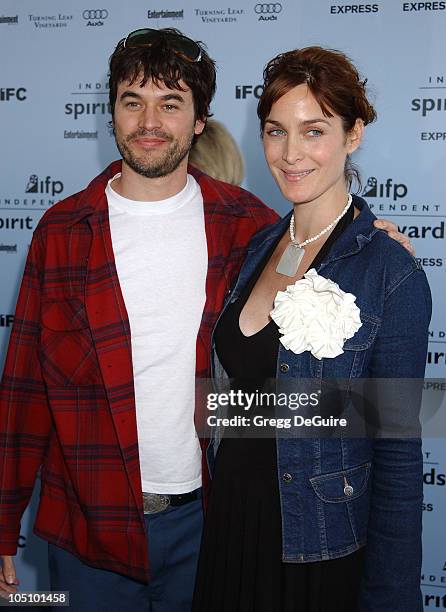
(330, 76)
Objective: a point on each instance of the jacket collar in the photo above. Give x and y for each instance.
(353, 239)
(94, 201)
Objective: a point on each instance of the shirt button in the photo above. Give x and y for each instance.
(287, 477)
(284, 367)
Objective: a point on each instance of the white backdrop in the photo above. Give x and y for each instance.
(54, 126)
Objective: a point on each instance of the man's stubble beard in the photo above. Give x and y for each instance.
(162, 164)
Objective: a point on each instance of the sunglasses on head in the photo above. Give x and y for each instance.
(181, 45)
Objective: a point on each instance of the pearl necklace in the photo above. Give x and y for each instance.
(293, 254)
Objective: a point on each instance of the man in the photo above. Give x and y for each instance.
(98, 384)
(123, 284)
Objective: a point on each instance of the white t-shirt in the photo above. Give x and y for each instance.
(161, 258)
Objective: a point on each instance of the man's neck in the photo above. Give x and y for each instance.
(134, 186)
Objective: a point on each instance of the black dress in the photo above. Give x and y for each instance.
(240, 567)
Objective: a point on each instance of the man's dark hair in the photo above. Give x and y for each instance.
(160, 63)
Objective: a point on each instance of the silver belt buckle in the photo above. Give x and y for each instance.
(154, 502)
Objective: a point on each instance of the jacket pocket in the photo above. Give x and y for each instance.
(343, 502)
(351, 363)
(342, 486)
(67, 354)
(365, 336)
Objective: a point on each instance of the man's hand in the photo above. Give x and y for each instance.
(8, 578)
(393, 232)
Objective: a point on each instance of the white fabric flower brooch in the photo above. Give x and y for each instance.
(315, 315)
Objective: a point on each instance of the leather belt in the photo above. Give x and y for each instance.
(157, 502)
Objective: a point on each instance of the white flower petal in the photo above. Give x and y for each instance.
(316, 315)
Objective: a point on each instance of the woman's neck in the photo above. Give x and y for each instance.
(312, 217)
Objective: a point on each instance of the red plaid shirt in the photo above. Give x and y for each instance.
(67, 400)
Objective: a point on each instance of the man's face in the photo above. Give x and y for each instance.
(154, 126)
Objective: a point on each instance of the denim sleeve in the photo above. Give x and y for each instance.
(391, 579)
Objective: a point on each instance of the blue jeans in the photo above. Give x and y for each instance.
(174, 537)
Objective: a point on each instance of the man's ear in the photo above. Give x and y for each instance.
(199, 126)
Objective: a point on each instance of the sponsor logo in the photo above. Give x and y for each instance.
(244, 91)
(389, 189)
(6, 320)
(435, 80)
(95, 17)
(432, 474)
(95, 14)
(408, 7)
(428, 105)
(89, 87)
(50, 22)
(9, 20)
(80, 134)
(38, 188)
(434, 477)
(165, 14)
(8, 248)
(219, 15)
(353, 9)
(12, 93)
(423, 231)
(434, 601)
(432, 407)
(268, 11)
(390, 196)
(19, 203)
(46, 185)
(433, 136)
(16, 223)
(440, 334)
(79, 109)
(434, 578)
(429, 262)
(436, 358)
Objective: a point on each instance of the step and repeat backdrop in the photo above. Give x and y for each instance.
(54, 121)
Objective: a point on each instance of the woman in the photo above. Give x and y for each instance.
(328, 524)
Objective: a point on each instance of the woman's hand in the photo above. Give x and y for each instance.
(392, 230)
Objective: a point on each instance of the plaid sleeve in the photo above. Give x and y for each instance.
(25, 421)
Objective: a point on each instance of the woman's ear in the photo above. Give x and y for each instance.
(354, 137)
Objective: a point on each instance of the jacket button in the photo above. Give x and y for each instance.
(284, 367)
(348, 490)
(287, 477)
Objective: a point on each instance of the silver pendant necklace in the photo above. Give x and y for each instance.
(294, 252)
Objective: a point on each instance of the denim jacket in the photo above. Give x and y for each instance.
(382, 508)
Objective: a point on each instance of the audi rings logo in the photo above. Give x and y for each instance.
(270, 8)
(95, 14)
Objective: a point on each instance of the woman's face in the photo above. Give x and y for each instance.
(305, 150)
